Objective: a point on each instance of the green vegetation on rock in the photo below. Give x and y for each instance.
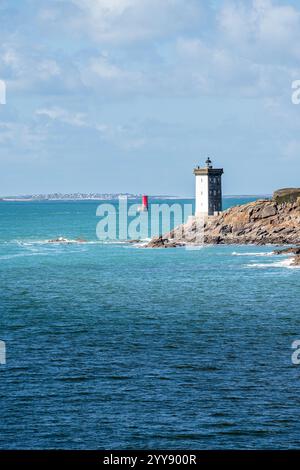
(286, 195)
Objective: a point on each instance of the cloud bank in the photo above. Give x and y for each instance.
(167, 80)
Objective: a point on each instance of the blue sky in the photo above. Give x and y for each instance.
(129, 95)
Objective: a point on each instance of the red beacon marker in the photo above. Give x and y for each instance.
(144, 207)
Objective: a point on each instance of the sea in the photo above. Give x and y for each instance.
(111, 345)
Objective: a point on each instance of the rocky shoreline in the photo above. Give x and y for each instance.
(290, 251)
(273, 221)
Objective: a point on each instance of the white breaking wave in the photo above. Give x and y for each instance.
(65, 241)
(113, 242)
(265, 253)
(61, 241)
(70, 241)
(141, 243)
(286, 263)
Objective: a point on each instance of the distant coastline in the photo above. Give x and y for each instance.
(77, 197)
(105, 197)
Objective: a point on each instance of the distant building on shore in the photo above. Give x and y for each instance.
(208, 189)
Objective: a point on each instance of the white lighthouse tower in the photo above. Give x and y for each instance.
(208, 189)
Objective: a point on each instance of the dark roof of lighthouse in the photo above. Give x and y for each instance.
(208, 169)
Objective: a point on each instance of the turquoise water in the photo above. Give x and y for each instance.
(115, 346)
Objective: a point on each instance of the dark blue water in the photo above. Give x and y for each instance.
(115, 346)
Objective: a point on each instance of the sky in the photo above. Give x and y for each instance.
(130, 95)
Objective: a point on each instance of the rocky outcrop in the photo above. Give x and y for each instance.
(296, 261)
(265, 221)
(66, 240)
(286, 195)
(290, 251)
(161, 242)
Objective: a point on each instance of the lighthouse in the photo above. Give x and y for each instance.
(208, 189)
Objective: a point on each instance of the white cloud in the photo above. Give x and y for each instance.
(276, 25)
(215, 69)
(125, 137)
(22, 140)
(160, 47)
(64, 116)
(129, 137)
(107, 78)
(116, 21)
(48, 68)
(103, 69)
(248, 49)
(261, 28)
(251, 52)
(36, 68)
